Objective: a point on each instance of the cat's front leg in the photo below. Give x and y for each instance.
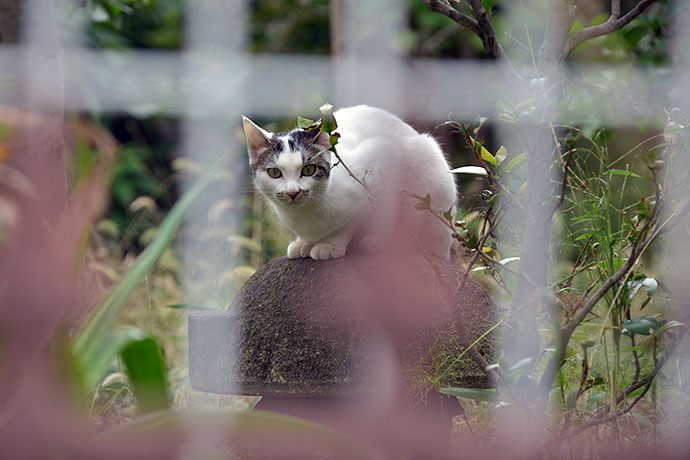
(332, 247)
(299, 248)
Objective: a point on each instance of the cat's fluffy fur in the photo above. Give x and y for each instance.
(317, 199)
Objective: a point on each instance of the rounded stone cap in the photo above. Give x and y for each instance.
(310, 328)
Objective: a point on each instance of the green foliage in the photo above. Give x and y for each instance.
(122, 24)
(435, 35)
(290, 26)
(609, 203)
(644, 40)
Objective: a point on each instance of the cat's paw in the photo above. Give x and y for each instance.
(323, 251)
(299, 248)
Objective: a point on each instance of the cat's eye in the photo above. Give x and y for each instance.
(308, 170)
(274, 172)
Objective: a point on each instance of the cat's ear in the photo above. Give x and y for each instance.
(323, 140)
(257, 138)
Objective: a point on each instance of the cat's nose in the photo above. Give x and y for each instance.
(293, 195)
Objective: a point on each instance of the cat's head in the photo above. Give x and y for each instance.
(290, 168)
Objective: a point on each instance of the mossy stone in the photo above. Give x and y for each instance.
(303, 328)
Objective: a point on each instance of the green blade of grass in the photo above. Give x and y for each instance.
(116, 340)
(257, 425)
(88, 343)
(470, 393)
(147, 373)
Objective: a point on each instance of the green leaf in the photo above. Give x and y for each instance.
(147, 373)
(508, 260)
(488, 4)
(670, 325)
(485, 154)
(639, 348)
(593, 400)
(522, 104)
(306, 123)
(93, 369)
(643, 420)
(588, 343)
(621, 172)
(634, 393)
(507, 118)
(472, 242)
(478, 170)
(515, 161)
(424, 203)
(569, 353)
(470, 393)
(328, 122)
(644, 325)
(501, 154)
(491, 252)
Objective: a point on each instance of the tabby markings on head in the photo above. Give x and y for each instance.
(304, 142)
(267, 153)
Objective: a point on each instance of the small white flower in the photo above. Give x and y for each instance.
(650, 286)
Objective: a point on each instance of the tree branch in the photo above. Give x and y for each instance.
(443, 7)
(488, 36)
(615, 22)
(559, 20)
(481, 26)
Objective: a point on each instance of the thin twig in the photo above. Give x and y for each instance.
(431, 43)
(635, 356)
(349, 171)
(615, 22)
(564, 184)
(467, 422)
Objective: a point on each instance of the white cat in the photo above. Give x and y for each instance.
(320, 202)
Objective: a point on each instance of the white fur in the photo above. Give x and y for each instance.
(390, 156)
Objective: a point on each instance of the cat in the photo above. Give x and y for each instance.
(323, 205)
